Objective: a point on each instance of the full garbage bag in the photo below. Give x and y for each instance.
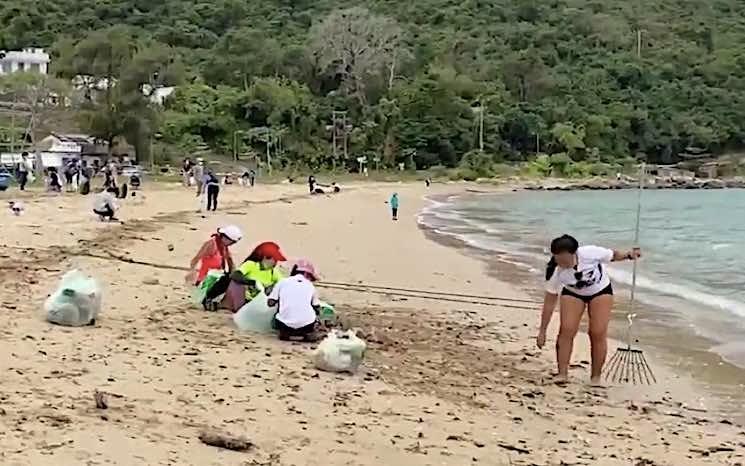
(340, 352)
(76, 301)
(256, 315)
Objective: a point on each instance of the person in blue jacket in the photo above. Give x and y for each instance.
(394, 206)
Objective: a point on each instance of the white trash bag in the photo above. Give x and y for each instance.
(76, 302)
(256, 315)
(340, 352)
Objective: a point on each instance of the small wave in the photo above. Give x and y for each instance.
(681, 291)
(717, 247)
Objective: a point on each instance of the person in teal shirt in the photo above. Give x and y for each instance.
(394, 206)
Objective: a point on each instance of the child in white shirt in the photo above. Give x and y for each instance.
(298, 303)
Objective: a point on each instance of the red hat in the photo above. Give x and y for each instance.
(269, 250)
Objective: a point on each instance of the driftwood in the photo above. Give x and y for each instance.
(228, 442)
(517, 449)
(100, 398)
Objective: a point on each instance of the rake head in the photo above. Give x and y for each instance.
(629, 365)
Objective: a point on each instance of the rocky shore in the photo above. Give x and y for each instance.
(651, 183)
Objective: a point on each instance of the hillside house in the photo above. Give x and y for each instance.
(56, 149)
(30, 59)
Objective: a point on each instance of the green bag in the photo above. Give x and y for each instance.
(327, 314)
(209, 281)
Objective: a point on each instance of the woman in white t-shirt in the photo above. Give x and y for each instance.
(298, 303)
(579, 275)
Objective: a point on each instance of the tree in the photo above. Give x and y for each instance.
(116, 75)
(357, 45)
(34, 95)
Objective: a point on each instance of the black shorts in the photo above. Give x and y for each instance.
(608, 290)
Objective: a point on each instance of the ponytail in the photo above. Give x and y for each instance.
(550, 268)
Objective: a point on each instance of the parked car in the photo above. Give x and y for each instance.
(5, 178)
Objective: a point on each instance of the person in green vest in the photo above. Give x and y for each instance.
(258, 271)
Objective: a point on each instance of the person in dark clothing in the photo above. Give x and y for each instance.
(312, 184)
(212, 186)
(22, 171)
(86, 173)
(54, 181)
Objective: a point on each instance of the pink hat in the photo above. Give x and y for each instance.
(306, 266)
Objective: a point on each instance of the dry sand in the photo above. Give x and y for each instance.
(444, 383)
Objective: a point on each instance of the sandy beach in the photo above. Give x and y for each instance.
(443, 383)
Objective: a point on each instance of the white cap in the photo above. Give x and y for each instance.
(232, 232)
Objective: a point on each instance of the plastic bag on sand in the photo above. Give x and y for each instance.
(256, 315)
(76, 302)
(204, 286)
(327, 314)
(340, 352)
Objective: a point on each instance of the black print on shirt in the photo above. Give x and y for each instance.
(588, 278)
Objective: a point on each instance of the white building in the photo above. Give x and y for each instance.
(33, 60)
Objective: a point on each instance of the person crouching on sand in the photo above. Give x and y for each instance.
(214, 255)
(298, 303)
(104, 205)
(577, 277)
(259, 268)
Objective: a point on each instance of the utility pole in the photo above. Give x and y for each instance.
(268, 154)
(339, 116)
(639, 33)
(333, 139)
(235, 145)
(537, 143)
(344, 123)
(481, 128)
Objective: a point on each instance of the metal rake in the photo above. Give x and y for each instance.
(629, 364)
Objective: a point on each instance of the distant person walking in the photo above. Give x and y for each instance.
(22, 171)
(212, 187)
(198, 172)
(186, 172)
(394, 206)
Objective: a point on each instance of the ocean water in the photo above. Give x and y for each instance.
(693, 243)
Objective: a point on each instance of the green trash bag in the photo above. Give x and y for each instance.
(209, 281)
(327, 314)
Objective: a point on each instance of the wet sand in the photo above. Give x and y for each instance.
(443, 383)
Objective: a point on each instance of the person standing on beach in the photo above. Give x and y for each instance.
(394, 206)
(198, 172)
(212, 188)
(186, 172)
(577, 277)
(22, 172)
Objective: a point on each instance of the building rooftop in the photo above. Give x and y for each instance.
(29, 55)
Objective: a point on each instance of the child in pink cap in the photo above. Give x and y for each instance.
(298, 303)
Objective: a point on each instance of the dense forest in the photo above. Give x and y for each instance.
(474, 84)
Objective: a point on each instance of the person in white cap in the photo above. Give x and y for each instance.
(298, 303)
(214, 254)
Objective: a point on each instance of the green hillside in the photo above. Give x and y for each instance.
(565, 77)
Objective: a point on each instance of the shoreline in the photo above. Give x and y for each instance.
(442, 383)
(707, 374)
